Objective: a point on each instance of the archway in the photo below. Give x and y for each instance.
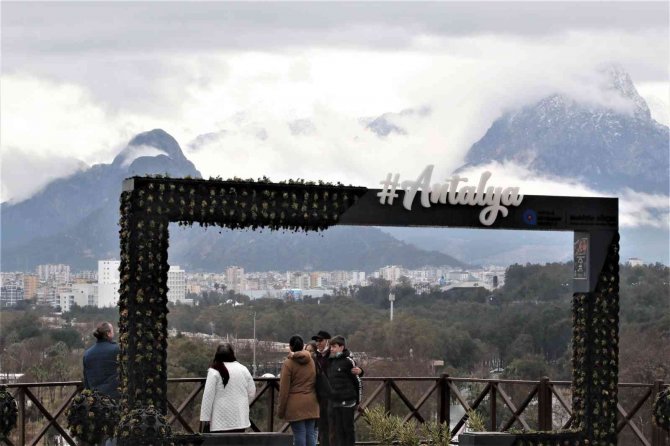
(149, 204)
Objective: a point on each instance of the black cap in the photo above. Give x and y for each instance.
(321, 335)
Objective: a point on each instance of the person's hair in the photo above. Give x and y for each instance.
(339, 340)
(313, 345)
(102, 330)
(224, 353)
(296, 343)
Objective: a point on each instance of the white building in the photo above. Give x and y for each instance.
(108, 283)
(634, 261)
(89, 276)
(357, 278)
(391, 273)
(299, 280)
(48, 295)
(176, 285)
(82, 294)
(58, 273)
(461, 276)
(235, 279)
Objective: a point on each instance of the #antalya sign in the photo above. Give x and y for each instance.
(494, 200)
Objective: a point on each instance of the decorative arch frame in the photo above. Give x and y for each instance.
(150, 204)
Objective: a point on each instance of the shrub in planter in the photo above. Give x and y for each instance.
(661, 411)
(144, 426)
(383, 427)
(92, 417)
(436, 434)
(408, 434)
(475, 422)
(8, 412)
(390, 429)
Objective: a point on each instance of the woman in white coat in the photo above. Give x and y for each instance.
(229, 390)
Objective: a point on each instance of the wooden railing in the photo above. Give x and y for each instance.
(504, 405)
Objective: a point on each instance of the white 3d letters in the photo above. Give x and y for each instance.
(495, 200)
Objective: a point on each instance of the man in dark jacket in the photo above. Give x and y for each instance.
(346, 392)
(326, 437)
(101, 363)
(326, 434)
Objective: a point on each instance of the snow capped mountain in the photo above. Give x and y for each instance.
(607, 148)
(609, 141)
(74, 221)
(609, 144)
(75, 218)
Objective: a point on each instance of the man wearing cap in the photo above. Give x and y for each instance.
(326, 435)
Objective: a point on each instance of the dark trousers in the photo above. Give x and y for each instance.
(326, 433)
(343, 425)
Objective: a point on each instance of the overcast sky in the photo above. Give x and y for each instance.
(80, 79)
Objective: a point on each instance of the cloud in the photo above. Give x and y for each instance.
(25, 174)
(46, 118)
(134, 152)
(465, 96)
(212, 26)
(642, 209)
(43, 120)
(83, 85)
(636, 209)
(657, 96)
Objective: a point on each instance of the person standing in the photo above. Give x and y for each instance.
(325, 434)
(346, 392)
(229, 390)
(101, 363)
(326, 437)
(297, 394)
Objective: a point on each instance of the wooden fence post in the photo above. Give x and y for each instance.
(658, 436)
(271, 407)
(387, 396)
(22, 415)
(544, 409)
(492, 406)
(444, 400)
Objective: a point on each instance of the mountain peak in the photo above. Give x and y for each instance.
(617, 80)
(609, 148)
(151, 143)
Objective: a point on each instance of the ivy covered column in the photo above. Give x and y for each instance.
(148, 205)
(143, 300)
(596, 354)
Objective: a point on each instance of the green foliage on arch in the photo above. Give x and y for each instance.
(146, 212)
(149, 205)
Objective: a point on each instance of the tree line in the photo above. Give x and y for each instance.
(524, 327)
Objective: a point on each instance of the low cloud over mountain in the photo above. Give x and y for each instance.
(74, 221)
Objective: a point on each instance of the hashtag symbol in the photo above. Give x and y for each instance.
(388, 191)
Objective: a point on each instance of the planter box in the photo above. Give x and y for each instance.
(486, 439)
(508, 439)
(242, 439)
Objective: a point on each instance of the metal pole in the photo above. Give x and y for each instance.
(391, 299)
(254, 348)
